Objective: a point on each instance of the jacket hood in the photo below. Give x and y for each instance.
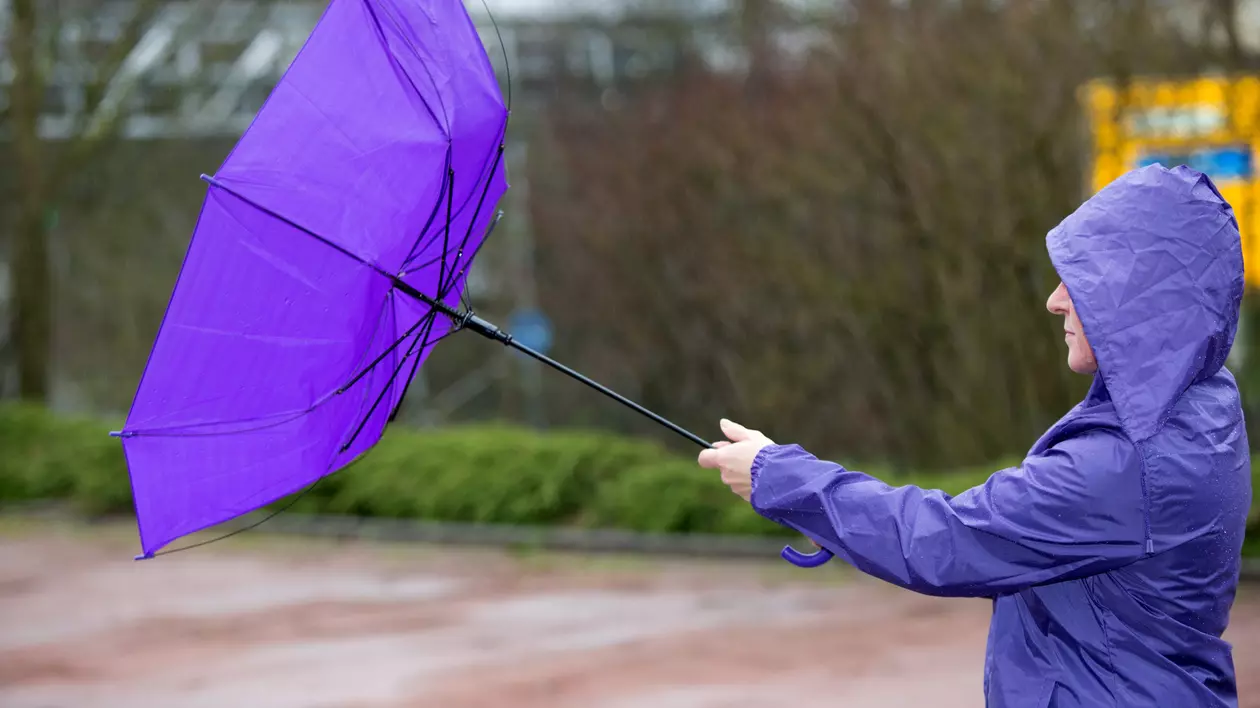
(1153, 263)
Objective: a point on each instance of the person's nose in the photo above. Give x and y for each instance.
(1057, 303)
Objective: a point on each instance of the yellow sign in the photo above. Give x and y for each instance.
(1210, 123)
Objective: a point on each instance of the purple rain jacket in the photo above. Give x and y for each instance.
(1112, 551)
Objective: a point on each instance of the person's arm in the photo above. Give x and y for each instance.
(1074, 510)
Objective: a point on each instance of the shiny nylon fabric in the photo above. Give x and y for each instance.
(378, 155)
(1112, 551)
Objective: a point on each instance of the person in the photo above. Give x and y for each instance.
(1112, 552)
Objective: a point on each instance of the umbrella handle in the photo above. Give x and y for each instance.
(806, 560)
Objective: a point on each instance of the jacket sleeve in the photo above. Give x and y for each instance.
(1074, 510)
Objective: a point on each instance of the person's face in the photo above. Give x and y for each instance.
(1080, 355)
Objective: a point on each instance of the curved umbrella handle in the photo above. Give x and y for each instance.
(806, 560)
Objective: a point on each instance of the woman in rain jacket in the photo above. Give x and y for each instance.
(1112, 551)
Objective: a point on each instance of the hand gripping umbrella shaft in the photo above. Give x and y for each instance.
(473, 323)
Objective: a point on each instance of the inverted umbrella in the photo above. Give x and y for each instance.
(330, 256)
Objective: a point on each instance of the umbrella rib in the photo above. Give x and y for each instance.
(437, 205)
(458, 318)
(451, 173)
(380, 34)
(446, 233)
(489, 230)
(459, 212)
(368, 369)
(467, 234)
(389, 385)
(415, 365)
(445, 287)
(184, 432)
(507, 65)
(250, 527)
(189, 429)
(275, 215)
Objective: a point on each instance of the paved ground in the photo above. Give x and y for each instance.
(280, 624)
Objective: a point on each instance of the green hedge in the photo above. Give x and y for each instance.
(486, 474)
(479, 474)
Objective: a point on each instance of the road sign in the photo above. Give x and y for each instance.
(1209, 123)
(531, 328)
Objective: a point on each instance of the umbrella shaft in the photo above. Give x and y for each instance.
(608, 392)
(471, 322)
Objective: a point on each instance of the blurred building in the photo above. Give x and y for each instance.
(204, 68)
(201, 69)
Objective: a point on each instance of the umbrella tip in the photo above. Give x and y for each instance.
(144, 556)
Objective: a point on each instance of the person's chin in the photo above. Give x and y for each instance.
(1084, 368)
(1075, 362)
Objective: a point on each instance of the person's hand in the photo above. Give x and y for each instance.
(734, 456)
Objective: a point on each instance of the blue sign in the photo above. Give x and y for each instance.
(1221, 164)
(531, 328)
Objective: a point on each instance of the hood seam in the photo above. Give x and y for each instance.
(1086, 315)
(1126, 424)
(1146, 497)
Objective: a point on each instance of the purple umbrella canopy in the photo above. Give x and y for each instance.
(330, 256)
(351, 207)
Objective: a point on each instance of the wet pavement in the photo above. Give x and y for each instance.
(273, 623)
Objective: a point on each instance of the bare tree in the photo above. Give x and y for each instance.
(852, 255)
(44, 169)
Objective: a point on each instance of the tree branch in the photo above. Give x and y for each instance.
(105, 99)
